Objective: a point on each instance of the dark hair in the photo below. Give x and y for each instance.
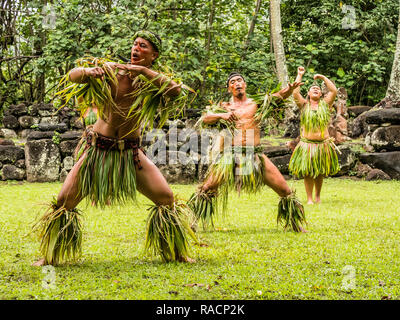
(233, 74)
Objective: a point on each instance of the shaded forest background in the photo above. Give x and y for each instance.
(203, 41)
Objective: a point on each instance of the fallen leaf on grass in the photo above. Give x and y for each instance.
(201, 244)
(381, 283)
(389, 297)
(191, 285)
(173, 292)
(318, 287)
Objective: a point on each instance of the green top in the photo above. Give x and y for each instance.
(315, 120)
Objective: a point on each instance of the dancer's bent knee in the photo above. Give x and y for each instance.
(68, 201)
(165, 199)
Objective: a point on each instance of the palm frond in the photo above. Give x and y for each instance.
(204, 205)
(269, 106)
(151, 102)
(316, 120)
(95, 92)
(108, 176)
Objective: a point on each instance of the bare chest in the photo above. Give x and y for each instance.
(244, 112)
(122, 91)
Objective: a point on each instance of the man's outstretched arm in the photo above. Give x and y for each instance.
(211, 118)
(286, 92)
(81, 75)
(173, 88)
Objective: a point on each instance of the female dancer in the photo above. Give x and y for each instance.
(315, 156)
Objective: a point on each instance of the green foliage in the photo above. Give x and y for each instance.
(203, 53)
(56, 138)
(108, 177)
(315, 120)
(95, 92)
(91, 118)
(291, 213)
(359, 59)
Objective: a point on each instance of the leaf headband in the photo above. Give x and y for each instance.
(149, 36)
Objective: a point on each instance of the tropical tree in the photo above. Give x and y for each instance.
(277, 41)
(393, 90)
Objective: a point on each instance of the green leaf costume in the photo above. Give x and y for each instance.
(107, 174)
(241, 168)
(315, 157)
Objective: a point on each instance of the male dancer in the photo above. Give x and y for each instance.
(112, 166)
(242, 164)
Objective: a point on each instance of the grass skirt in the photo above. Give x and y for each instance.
(314, 158)
(240, 169)
(107, 176)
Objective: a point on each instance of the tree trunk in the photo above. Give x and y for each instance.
(276, 35)
(208, 45)
(393, 91)
(252, 26)
(40, 83)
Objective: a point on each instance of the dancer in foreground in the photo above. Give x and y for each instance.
(241, 164)
(111, 165)
(315, 155)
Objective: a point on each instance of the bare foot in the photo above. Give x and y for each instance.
(310, 202)
(39, 263)
(186, 259)
(317, 200)
(303, 230)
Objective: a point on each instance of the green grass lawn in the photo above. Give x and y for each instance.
(351, 252)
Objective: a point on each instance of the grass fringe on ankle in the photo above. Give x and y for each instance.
(204, 205)
(291, 213)
(168, 231)
(60, 232)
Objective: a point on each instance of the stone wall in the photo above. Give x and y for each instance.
(383, 141)
(37, 145)
(41, 140)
